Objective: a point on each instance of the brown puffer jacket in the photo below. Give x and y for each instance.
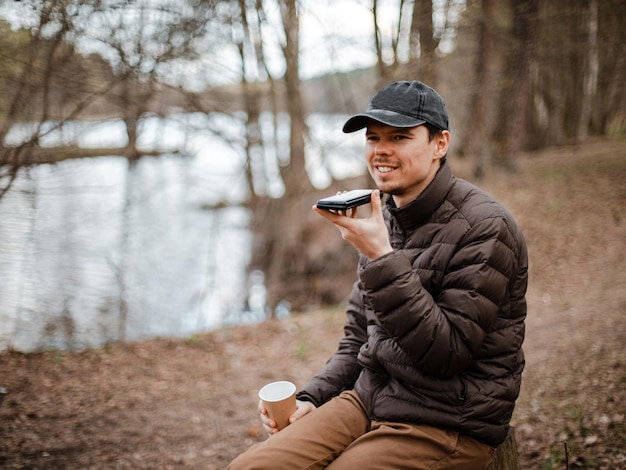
(434, 330)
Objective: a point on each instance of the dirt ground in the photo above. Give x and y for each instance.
(190, 403)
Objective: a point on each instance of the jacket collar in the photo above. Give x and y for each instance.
(415, 213)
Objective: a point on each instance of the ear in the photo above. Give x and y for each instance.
(442, 142)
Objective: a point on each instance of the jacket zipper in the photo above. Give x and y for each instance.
(404, 235)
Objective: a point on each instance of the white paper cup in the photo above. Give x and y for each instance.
(279, 398)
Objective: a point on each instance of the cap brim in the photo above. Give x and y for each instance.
(390, 118)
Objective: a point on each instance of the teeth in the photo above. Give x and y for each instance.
(384, 169)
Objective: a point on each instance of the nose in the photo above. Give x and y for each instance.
(381, 148)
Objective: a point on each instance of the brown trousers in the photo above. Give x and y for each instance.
(339, 435)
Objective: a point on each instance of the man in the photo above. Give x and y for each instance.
(429, 368)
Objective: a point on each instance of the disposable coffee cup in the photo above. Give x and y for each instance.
(279, 399)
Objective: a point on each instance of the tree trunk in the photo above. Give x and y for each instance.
(423, 57)
(477, 136)
(506, 456)
(381, 68)
(517, 93)
(590, 72)
(278, 223)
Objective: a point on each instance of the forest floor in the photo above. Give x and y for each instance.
(191, 403)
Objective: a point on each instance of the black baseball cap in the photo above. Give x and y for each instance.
(403, 104)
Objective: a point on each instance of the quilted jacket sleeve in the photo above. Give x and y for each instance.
(442, 335)
(342, 369)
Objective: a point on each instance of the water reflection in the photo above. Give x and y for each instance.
(72, 262)
(92, 252)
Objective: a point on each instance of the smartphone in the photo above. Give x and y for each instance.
(347, 200)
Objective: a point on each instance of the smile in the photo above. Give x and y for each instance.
(384, 169)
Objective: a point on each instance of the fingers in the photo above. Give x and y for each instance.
(339, 218)
(304, 408)
(270, 429)
(268, 424)
(330, 215)
(376, 201)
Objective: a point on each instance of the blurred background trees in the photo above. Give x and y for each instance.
(516, 75)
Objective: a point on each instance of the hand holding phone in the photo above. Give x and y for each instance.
(367, 234)
(347, 200)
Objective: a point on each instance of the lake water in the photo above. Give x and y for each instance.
(92, 252)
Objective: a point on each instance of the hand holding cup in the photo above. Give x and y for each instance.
(279, 399)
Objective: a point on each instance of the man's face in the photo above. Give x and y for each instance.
(402, 161)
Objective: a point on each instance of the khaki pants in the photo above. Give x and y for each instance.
(339, 435)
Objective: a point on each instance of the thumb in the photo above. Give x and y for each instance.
(376, 201)
(304, 407)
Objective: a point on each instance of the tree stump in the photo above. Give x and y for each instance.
(506, 457)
